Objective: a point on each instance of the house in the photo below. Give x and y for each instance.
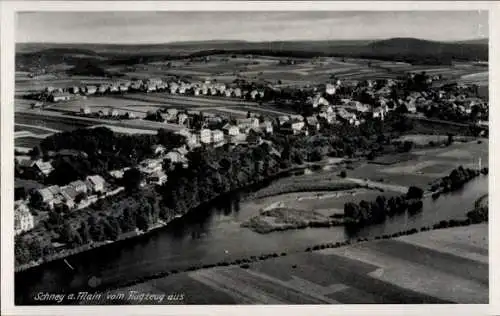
(25, 161)
(85, 110)
(412, 108)
(248, 123)
(313, 123)
(23, 219)
(182, 118)
(318, 100)
(118, 174)
(254, 138)
(330, 118)
(59, 96)
(348, 117)
(74, 90)
(217, 136)
(103, 89)
(158, 149)
(79, 186)
(283, 119)
(267, 127)
(237, 92)
(95, 183)
(123, 88)
(292, 127)
(330, 89)
(363, 108)
(173, 87)
(49, 195)
(379, 112)
(114, 88)
(205, 136)
(69, 195)
(326, 109)
(231, 130)
(43, 168)
(254, 94)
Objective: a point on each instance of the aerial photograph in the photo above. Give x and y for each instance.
(271, 157)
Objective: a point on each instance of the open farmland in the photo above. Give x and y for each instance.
(426, 166)
(441, 266)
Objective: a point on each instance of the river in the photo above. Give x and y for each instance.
(212, 235)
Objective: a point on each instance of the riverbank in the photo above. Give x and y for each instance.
(245, 262)
(68, 253)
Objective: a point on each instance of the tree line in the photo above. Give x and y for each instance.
(368, 213)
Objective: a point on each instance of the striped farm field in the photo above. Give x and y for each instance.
(446, 266)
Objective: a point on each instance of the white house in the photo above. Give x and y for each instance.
(248, 123)
(85, 110)
(181, 118)
(237, 92)
(379, 113)
(217, 136)
(312, 122)
(205, 136)
(267, 127)
(79, 186)
(330, 89)
(283, 119)
(45, 168)
(95, 183)
(231, 130)
(23, 219)
(158, 149)
(60, 96)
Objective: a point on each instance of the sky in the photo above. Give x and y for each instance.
(164, 27)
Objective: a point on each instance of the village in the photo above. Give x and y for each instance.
(325, 105)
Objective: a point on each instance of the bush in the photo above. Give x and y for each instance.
(343, 174)
(245, 266)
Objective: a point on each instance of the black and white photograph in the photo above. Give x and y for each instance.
(250, 157)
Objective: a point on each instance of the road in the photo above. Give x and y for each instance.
(135, 124)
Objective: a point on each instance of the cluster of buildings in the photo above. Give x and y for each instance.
(206, 88)
(75, 195)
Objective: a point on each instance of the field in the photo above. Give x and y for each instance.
(427, 165)
(442, 266)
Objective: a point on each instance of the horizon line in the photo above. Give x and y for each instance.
(250, 41)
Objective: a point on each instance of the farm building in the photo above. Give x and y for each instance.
(59, 96)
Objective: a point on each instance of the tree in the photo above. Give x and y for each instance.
(84, 232)
(343, 174)
(132, 179)
(449, 140)
(35, 153)
(414, 193)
